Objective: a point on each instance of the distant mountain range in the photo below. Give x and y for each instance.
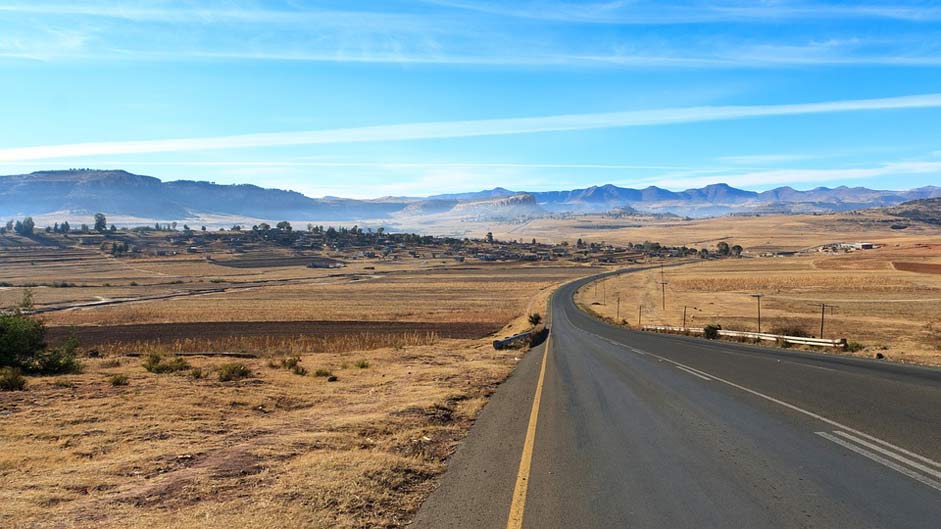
(121, 193)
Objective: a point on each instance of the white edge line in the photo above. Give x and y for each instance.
(879, 459)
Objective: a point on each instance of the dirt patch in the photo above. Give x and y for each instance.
(921, 268)
(97, 336)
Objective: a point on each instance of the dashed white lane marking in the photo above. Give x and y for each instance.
(879, 459)
(848, 430)
(691, 372)
(893, 455)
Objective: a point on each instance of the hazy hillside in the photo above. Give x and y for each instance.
(924, 210)
(116, 192)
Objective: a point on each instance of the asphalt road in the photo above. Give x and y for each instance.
(654, 431)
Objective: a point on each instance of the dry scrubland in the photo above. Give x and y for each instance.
(880, 301)
(277, 450)
(119, 446)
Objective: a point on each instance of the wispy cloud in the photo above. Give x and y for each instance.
(461, 32)
(463, 129)
(655, 12)
(762, 159)
(766, 178)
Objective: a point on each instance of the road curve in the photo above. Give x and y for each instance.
(655, 431)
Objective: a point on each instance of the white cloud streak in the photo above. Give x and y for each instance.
(464, 129)
(766, 178)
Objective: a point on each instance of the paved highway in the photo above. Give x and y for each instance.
(606, 427)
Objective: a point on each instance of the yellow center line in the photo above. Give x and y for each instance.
(518, 506)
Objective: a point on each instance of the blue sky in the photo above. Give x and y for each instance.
(365, 99)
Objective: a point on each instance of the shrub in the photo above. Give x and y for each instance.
(11, 380)
(118, 380)
(362, 364)
(159, 364)
(323, 373)
(59, 361)
(21, 339)
(233, 371)
(299, 370)
(291, 362)
(854, 347)
(535, 319)
(114, 362)
(791, 329)
(711, 331)
(23, 344)
(197, 373)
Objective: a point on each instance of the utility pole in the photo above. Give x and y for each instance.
(663, 290)
(823, 311)
(640, 310)
(618, 317)
(684, 316)
(758, 297)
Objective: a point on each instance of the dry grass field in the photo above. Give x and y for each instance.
(286, 447)
(275, 450)
(890, 309)
(770, 233)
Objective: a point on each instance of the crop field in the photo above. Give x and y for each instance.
(889, 310)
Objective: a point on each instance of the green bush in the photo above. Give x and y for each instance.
(59, 361)
(23, 346)
(535, 319)
(323, 373)
(118, 380)
(854, 347)
(11, 380)
(711, 331)
(159, 364)
(234, 371)
(362, 364)
(21, 339)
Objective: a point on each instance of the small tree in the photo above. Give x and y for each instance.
(722, 248)
(535, 319)
(101, 222)
(25, 227)
(284, 226)
(736, 251)
(490, 237)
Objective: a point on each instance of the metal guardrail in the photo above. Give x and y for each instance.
(797, 340)
(512, 340)
(530, 338)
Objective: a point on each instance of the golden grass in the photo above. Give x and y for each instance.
(274, 345)
(277, 450)
(488, 294)
(895, 313)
